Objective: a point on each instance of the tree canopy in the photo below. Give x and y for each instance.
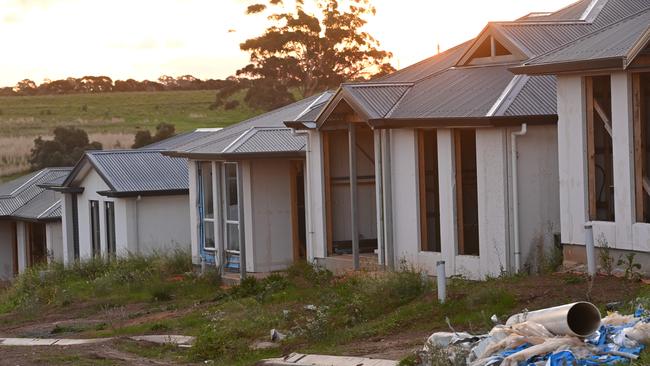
(144, 138)
(67, 147)
(309, 51)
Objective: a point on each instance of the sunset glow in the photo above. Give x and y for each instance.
(144, 39)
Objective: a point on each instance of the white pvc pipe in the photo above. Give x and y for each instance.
(442, 281)
(580, 319)
(589, 246)
(515, 194)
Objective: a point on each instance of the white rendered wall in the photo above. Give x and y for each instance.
(491, 174)
(6, 251)
(539, 192)
(193, 211)
(405, 215)
(163, 223)
(54, 241)
(572, 152)
(67, 228)
(271, 223)
(317, 238)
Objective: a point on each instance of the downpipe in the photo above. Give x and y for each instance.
(515, 193)
(580, 319)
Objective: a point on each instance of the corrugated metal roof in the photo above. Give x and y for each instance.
(540, 37)
(457, 92)
(425, 68)
(139, 170)
(39, 207)
(24, 198)
(178, 140)
(221, 141)
(537, 97)
(613, 41)
(378, 99)
(269, 140)
(572, 12)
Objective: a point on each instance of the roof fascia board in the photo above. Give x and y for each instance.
(612, 63)
(245, 156)
(463, 122)
(162, 192)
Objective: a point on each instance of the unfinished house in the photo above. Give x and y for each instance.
(247, 192)
(30, 222)
(124, 201)
(453, 158)
(604, 147)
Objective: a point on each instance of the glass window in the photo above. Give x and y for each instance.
(232, 200)
(233, 236)
(109, 210)
(206, 204)
(95, 229)
(232, 206)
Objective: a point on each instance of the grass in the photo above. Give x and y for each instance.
(115, 112)
(110, 118)
(318, 312)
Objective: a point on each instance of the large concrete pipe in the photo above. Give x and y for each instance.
(579, 319)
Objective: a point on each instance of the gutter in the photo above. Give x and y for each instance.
(462, 122)
(515, 193)
(164, 192)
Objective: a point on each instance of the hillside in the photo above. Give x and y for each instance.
(110, 118)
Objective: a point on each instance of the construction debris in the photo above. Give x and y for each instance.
(559, 336)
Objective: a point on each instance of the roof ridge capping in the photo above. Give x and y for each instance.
(530, 65)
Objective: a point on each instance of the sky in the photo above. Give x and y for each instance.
(144, 39)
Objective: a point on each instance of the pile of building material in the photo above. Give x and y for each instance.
(572, 334)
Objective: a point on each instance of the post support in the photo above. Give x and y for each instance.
(354, 210)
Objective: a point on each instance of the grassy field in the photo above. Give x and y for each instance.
(381, 315)
(110, 118)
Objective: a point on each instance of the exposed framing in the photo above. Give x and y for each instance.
(641, 173)
(593, 110)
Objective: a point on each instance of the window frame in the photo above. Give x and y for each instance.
(226, 181)
(424, 192)
(204, 220)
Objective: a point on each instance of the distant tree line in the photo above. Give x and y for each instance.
(104, 84)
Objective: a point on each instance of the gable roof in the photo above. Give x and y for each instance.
(134, 172)
(25, 198)
(180, 139)
(613, 46)
(443, 91)
(264, 135)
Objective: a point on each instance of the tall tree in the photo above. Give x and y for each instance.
(65, 149)
(311, 51)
